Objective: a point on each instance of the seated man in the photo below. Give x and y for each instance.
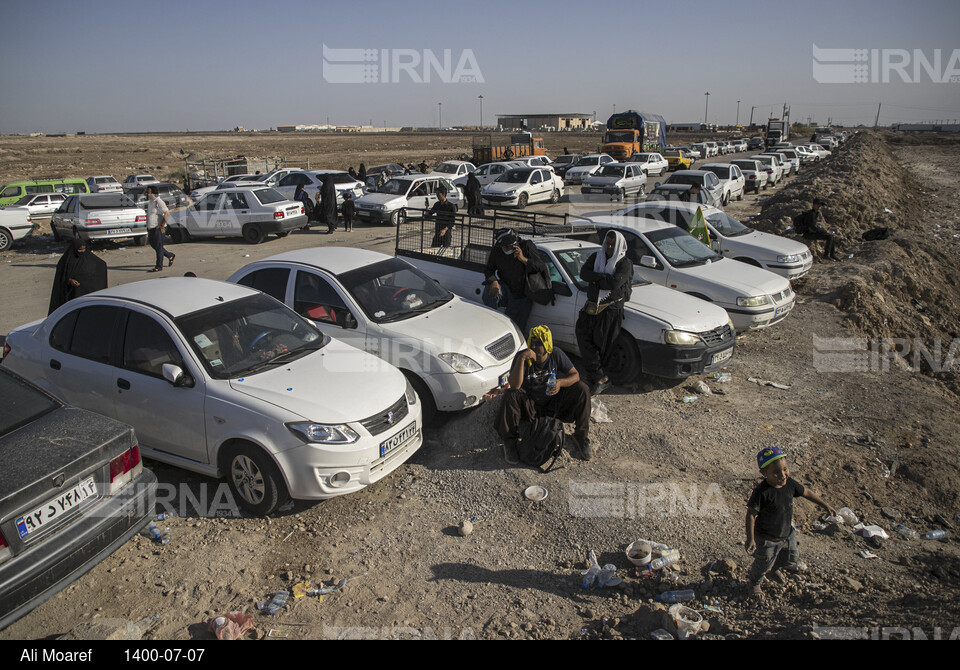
(527, 393)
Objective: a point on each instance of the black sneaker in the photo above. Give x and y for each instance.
(599, 387)
(586, 449)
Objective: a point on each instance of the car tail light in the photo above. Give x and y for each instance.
(124, 468)
(142, 219)
(6, 349)
(92, 222)
(279, 215)
(5, 552)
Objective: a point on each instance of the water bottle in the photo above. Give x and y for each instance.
(936, 535)
(677, 596)
(606, 578)
(689, 398)
(663, 561)
(551, 383)
(277, 602)
(163, 516)
(906, 532)
(152, 531)
(722, 377)
(165, 536)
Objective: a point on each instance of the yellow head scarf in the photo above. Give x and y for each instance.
(543, 334)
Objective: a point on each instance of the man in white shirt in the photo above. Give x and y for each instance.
(157, 214)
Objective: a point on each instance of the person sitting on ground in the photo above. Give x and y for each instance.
(527, 394)
(771, 538)
(808, 225)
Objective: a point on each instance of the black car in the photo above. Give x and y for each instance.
(72, 490)
(754, 143)
(171, 194)
(564, 163)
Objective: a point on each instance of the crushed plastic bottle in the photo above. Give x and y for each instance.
(677, 596)
(592, 572)
(154, 533)
(936, 535)
(688, 398)
(277, 602)
(606, 576)
(909, 533)
(664, 561)
(722, 377)
(163, 516)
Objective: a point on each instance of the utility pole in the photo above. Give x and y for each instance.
(751, 115)
(877, 122)
(706, 105)
(440, 115)
(738, 113)
(481, 111)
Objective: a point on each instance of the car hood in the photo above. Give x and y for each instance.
(502, 187)
(458, 327)
(337, 384)
(602, 181)
(583, 170)
(742, 279)
(678, 311)
(381, 199)
(772, 245)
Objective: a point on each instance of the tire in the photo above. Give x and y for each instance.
(623, 363)
(56, 233)
(555, 197)
(176, 236)
(140, 241)
(522, 201)
(622, 195)
(252, 234)
(6, 239)
(725, 199)
(283, 234)
(398, 218)
(740, 195)
(254, 479)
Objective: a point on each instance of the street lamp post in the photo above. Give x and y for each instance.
(440, 115)
(738, 113)
(481, 111)
(705, 107)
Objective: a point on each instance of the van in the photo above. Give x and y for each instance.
(15, 190)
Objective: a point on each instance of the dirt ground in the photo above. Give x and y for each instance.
(878, 437)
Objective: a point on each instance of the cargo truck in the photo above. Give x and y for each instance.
(633, 132)
(488, 149)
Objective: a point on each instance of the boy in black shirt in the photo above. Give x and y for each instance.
(769, 524)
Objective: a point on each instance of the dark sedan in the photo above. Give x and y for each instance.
(72, 490)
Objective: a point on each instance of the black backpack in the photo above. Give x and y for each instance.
(540, 440)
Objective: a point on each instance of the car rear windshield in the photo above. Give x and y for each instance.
(110, 201)
(611, 171)
(106, 180)
(746, 165)
(685, 179)
(448, 168)
(722, 172)
(21, 403)
(268, 196)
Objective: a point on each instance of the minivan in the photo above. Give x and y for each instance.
(15, 190)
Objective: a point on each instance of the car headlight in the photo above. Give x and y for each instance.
(318, 433)
(460, 363)
(681, 338)
(509, 194)
(755, 301)
(379, 207)
(410, 394)
(788, 259)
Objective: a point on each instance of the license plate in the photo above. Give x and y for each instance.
(721, 356)
(56, 508)
(117, 231)
(393, 442)
(782, 310)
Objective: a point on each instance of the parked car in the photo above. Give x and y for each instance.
(73, 490)
(171, 194)
(490, 172)
(731, 179)
(534, 161)
(520, 186)
(819, 150)
(806, 156)
(667, 255)
(100, 216)
(103, 184)
(791, 156)
(225, 381)
(452, 351)
(138, 180)
(312, 181)
(390, 203)
(713, 149)
(681, 192)
(698, 151)
(706, 180)
(754, 143)
(785, 165)
(772, 167)
(227, 182)
(754, 174)
(653, 163)
(455, 171)
(374, 172)
(617, 180)
(730, 238)
(271, 178)
(40, 205)
(15, 224)
(239, 211)
(586, 166)
(13, 191)
(563, 163)
(679, 159)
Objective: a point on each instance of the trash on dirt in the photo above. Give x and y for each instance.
(936, 535)
(331, 589)
(535, 493)
(286, 507)
(702, 388)
(847, 515)
(660, 634)
(465, 528)
(871, 531)
(651, 555)
(599, 412)
(288, 536)
(688, 398)
(909, 533)
(713, 608)
(273, 632)
(722, 377)
(278, 602)
(231, 626)
(605, 576)
(765, 382)
(687, 620)
(866, 554)
(300, 590)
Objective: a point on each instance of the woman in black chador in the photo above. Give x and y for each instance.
(79, 272)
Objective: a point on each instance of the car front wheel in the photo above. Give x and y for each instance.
(254, 479)
(399, 217)
(623, 366)
(555, 197)
(522, 201)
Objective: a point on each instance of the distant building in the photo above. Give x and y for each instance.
(545, 121)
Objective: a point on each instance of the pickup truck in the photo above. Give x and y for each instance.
(665, 333)
(100, 216)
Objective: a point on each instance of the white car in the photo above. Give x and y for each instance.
(227, 182)
(713, 149)
(653, 163)
(271, 178)
(103, 184)
(452, 351)
(492, 171)
(731, 179)
(138, 180)
(819, 150)
(389, 203)
(730, 238)
(455, 171)
(250, 212)
(225, 381)
(585, 167)
(667, 255)
(785, 165)
(520, 186)
(533, 161)
(15, 224)
(100, 216)
(617, 181)
(772, 167)
(754, 174)
(312, 181)
(699, 151)
(806, 156)
(791, 156)
(41, 204)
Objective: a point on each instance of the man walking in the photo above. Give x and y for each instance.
(157, 214)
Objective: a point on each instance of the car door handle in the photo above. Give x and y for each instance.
(55, 364)
(123, 383)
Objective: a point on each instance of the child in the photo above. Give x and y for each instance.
(348, 210)
(770, 514)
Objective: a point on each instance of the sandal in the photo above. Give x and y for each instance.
(155, 270)
(170, 262)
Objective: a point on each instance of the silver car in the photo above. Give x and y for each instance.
(248, 212)
(617, 180)
(100, 216)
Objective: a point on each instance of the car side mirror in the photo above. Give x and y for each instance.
(176, 376)
(649, 262)
(561, 288)
(349, 321)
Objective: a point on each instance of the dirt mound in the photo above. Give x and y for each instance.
(897, 292)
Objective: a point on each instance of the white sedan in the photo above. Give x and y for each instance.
(15, 223)
(585, 167)
(653, 164)
(518, 187)
(41, 204)
(490, 172)
(731, 179)
(617, 180)
(251, 212)
(225, 381)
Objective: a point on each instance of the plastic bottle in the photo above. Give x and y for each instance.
(165, 536)
(906, 532)
(277, 602)
(163, 516)
(663, 561)
(689, 398)
(152, 531)
(722, 377)
(936, 535)
(677, 596)
(606, 578)
(551, 381)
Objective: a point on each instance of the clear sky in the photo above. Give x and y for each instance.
(106, 66)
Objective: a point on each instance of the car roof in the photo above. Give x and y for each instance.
(675, 204)
(637, 224)
(329, 172)
(696, 173)
(177, 295)
(333, 259)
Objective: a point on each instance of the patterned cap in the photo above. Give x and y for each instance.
(768, 455)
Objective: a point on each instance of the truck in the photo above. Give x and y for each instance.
(777, 131)
(632, 132)
(665, 333)
(490, 149)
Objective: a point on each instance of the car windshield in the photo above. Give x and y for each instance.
(680, 248)
(573, 259)
(619, 137)
(589, 160)
(395, 187)
(448, 168)
(566, 158)
(268, 196)
(111, 201)
(727, 225)
(611, 171)
(338, 178)
(394, 290)
(249, 335)
(685, 179)
(515, 176)
(21, 403)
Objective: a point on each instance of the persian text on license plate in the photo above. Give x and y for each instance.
(393, 442)
(117, 231)
(782, 310)
(721, 356)
(56, 508)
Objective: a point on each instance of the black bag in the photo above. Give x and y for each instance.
(875, 234)
(539, 288)
(540, 440)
